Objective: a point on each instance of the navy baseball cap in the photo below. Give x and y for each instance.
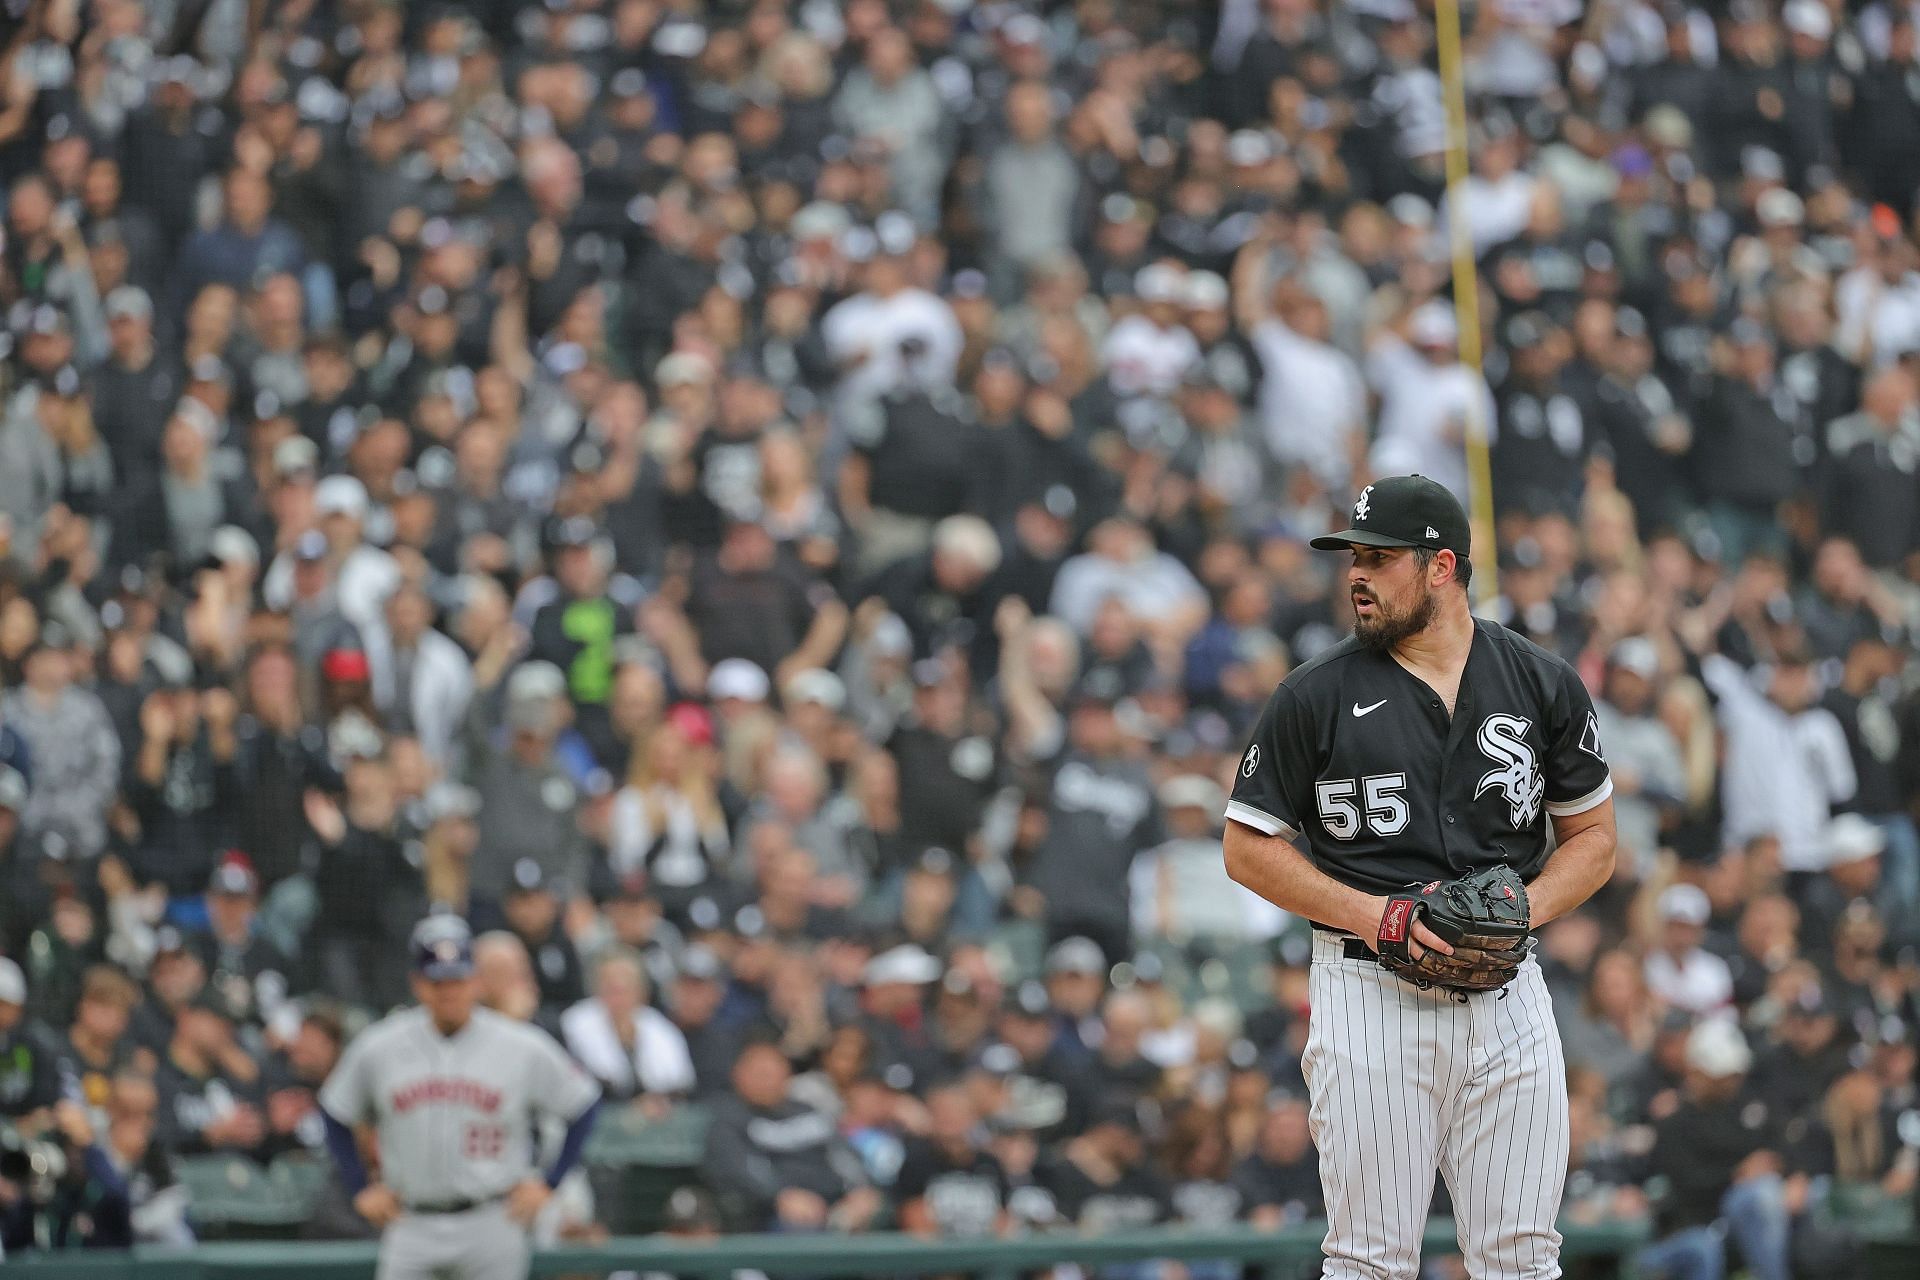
(442, 948)
(1403, 511)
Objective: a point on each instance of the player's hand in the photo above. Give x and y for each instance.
(245, 1128)
(219, 708)
(1011, 618)
(867, 615)
(1423, 939)
(798, 1207)
(114, 878)
(71, 1119)
(324, 816)
(378, 1205)
(528, 1197)
(156, 719)
(856, 1209)
(1630, 1202)
(544, 247)
(63, 224)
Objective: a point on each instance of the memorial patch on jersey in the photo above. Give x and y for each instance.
(1252, 761)
(1503, 740)
(1590, 738)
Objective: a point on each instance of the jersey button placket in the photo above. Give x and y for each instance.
(1446, 737)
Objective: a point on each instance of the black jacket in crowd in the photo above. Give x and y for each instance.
(753, 1154)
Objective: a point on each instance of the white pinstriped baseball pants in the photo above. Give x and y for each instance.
(1404, 1082)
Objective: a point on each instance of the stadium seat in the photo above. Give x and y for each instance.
(635, 1162)
(233, 1198)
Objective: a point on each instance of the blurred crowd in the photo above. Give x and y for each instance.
(784, 513)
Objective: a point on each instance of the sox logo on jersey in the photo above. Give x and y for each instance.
(1503, 739)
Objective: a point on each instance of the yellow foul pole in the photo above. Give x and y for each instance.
(1466, 299)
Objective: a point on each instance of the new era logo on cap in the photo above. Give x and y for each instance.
(1432, 532)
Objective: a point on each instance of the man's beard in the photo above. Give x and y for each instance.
(1383, 631)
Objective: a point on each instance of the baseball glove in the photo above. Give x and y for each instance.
(1484, 917)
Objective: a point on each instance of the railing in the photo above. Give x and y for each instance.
(882, 1254)
(1890, 1252)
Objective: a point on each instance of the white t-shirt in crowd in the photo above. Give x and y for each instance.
(1497, 210)
(1152, 587)
(1784, 771)
(875, 326)
(1144, 359)
(1312, 402)
(1698, 982)
(1424, 411)
(1877, 319)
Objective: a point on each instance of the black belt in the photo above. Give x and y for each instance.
(442, 1207)
(1354, 949)
(1350, 947)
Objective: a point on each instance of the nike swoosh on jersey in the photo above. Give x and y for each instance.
(1359, 710)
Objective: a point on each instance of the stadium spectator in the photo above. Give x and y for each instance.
(1681, 972)
(1720, 1165)
(1279, 1180)
(779, 1163)
(629, 1046)
(947, 1185)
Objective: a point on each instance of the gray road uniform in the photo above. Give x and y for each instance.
(458, 1119)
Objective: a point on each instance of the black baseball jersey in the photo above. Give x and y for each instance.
(1356, 758)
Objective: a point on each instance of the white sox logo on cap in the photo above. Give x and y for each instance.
(1361, 504)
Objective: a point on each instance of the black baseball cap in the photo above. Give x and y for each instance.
(1403, 511)
(442, 948)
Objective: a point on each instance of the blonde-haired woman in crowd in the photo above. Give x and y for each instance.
(669, 820)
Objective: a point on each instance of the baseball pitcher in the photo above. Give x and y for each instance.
(1397, 793)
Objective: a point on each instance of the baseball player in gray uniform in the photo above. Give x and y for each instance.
(454, 1093)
